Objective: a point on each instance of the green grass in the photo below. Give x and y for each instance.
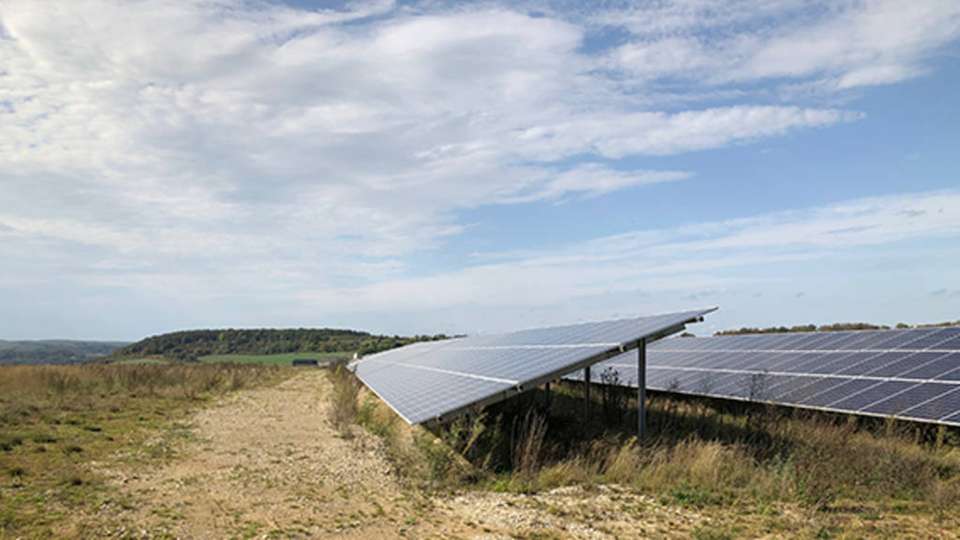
(272, 359)
(142, 361)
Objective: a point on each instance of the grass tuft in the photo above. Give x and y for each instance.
(346, 389)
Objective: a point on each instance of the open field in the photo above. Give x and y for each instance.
(58, 422)
(274, 359)
(210, 451)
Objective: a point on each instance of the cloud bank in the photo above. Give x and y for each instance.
(227, 147)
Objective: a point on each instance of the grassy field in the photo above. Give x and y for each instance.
(753, 469)
(58, 422)
(273, 359)
(739, 471)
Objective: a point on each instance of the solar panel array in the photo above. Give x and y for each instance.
(435, 380)
(910, 374)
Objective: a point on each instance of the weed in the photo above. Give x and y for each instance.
(343, 410)
(527, 451)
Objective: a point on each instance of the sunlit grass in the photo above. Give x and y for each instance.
(274, 359)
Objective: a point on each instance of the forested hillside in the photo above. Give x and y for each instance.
(54, 351)
(192, 344)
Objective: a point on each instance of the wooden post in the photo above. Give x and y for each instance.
(642, 390)
(586, 394)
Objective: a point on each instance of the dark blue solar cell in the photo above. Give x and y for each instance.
(780, 361)
(863, 364)
(945, 404)
(834, 390)
(903, 363)
(829, 341)
(746, 361)
(667, 358)
(696, 382)
(931, 338)
(705, 382)
(835, 362)
(929, 370)
(878, 340)
(874, 364)
(788, 386)
(656, 378)
(752, 387)
(677, 378)
(771, 342)
(803, 391)
(897, 403)
(779, 342)
(717, 359)
(854, 340)
(809, 363)
(766, 342)
(952, 344)
(419, 395)
(812, 341)
(953, 374)
(869, 396)
(755, 370)
(844, 339)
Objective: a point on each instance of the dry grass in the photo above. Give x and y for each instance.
(528, 448)
(57, 420)
(346, 389)
(699, 455)
(702, 456)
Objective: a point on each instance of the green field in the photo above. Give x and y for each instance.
(142, 361)
(273, 359)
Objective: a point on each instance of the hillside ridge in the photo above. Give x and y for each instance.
(190, 345)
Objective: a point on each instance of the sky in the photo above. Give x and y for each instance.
(426, 167)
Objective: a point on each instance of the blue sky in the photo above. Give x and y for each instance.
(475, 167)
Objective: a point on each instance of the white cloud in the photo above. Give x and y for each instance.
(680, 261)
(840, 45)
(233, 147)
(170, 127)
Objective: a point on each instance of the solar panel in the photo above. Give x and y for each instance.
(912, 374)
(437, 380)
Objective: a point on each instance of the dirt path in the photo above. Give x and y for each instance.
(266, 463)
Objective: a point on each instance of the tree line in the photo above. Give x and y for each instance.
(190, 345)
(835, 327)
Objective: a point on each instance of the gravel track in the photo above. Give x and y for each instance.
(266, 463)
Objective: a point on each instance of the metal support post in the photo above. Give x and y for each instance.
(642, 390)
(586, 393)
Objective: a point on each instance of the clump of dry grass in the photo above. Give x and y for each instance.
(528, 448)
(343, 409)
(810, 460)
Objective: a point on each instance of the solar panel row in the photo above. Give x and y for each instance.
(912, 374)
(434, 380)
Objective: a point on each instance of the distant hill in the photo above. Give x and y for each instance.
(190, 345)
(55, 351)
(835, 327)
